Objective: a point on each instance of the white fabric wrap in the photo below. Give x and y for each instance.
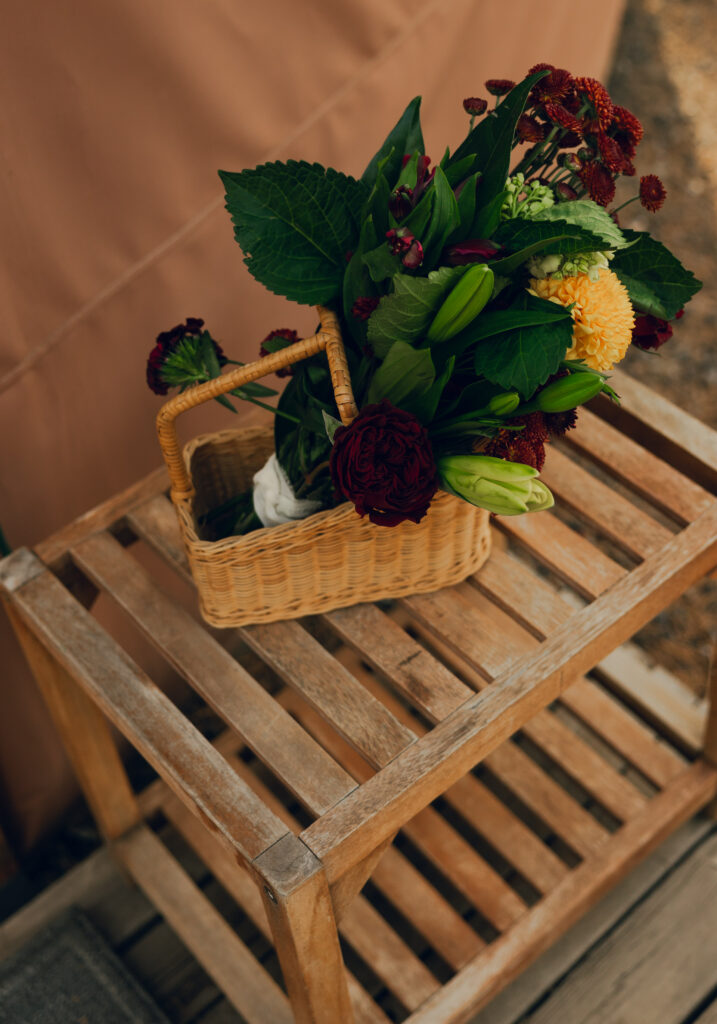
(274, 498)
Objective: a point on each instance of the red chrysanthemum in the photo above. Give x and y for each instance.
(650, 331)
(528, 129)
(499, 86)
(611, 153)
(652, 192)
(560, 116)
(553, 87)
(290, 337)
(475, 106)
(625, 121)
(599, 98)
(383, 462)
(364, 307)
(598, 182)
(540, 67)
(166, 345)
(526, 445)
(569, 140)
(558, 423)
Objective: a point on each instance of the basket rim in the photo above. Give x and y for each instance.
(291, 531)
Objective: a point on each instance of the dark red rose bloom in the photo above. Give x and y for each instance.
(475, 106)
(526, 445)
(364, 307)
(383, 463)
(291, 337)
(650, 331)
(499, 86)
(652, 192)
(474, 250)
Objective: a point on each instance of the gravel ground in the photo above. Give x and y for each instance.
(665, 71)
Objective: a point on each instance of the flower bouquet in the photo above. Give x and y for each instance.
(467, 309)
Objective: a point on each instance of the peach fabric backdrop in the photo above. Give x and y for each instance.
(116, 117)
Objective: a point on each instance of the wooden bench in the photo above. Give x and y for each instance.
(450, 747)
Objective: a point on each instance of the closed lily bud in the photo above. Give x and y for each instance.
(568, 392)
(504, 404)
(463, 303)
(502, 487)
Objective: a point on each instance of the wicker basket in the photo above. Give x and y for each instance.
(328, 560)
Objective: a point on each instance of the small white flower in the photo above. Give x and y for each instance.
(274, 498)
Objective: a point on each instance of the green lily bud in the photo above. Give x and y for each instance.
(504, 404)
(505, 488)
(568, 392)
(463, 303)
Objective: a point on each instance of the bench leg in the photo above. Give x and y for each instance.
(709, 744)
(86, 736)
(301, 914)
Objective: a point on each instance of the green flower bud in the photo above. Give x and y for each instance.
(568, 392)
(504, 404)
(463, 303)
(505, 488)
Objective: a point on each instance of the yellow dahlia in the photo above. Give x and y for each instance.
(602, 314)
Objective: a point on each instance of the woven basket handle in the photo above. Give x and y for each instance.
(328, 337)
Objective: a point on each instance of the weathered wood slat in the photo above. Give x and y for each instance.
(203, 929)
(492, 642)
(597, 504)
(568, 554)
(198, 774)
(666, 949)
(348, 832)
(307, 667)
(492, 819)
(663, 428)
(638, 468)
(302, 765)
(500, 962)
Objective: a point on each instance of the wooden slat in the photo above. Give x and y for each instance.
(597, 504)
(245, 892)
(663, 428)
(203, 929)
(500, 962)
(54, 550)
(155, 521)
(189, 764)
(491, 818)
(638, 468)
(301, 764)
(307, 667)
(381, 642)
(492, 642)
(566, 553)
(412, 780)
(541, 610)
(666, 949)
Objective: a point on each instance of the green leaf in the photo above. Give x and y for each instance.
(295, 223)
(406, 314)
(357, 281)
(524, 358)
(405, 137)
(586, 214)
(492, 139)
(444, 219)
(526, 237)
(404, 373)
(381, 263)
(420, 216)
(487, 216)
(331, 424)
(656, 281)
(466, 210)
(458, 171)
(425, 405)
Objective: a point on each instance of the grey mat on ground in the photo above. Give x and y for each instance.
(68, 974)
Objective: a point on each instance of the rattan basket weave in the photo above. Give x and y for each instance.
(328, 560)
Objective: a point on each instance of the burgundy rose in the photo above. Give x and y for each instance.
(651, 331)
(384, 464)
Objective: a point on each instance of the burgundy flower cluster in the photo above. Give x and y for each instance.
(287, 337)
(527, 445)
(166, 348)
